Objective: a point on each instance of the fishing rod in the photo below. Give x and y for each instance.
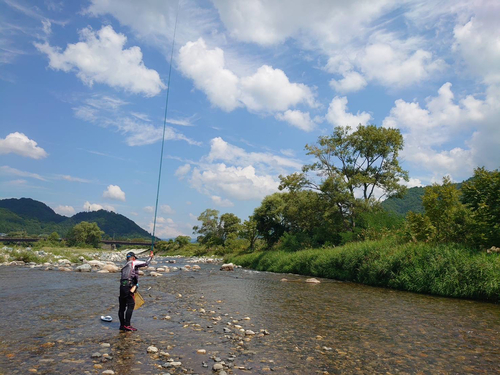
(164, 127)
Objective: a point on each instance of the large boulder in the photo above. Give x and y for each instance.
(84, 268)
(227, 267)
(96, 264)
(111, 268)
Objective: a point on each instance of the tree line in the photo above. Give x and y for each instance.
(336, 200)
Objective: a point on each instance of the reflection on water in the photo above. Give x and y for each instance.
(50, 323)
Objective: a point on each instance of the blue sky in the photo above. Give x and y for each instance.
(83, 87)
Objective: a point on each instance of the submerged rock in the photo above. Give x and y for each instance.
(84, 268)
(313, 281)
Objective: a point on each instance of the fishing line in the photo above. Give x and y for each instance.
(164, 127)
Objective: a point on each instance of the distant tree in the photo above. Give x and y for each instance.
(84, 233)
(482, 194)
(182, 241)
(53, 237)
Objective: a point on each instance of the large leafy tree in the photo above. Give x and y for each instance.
(85, 233)
(482, 195)
(351, 164)
(215, 230)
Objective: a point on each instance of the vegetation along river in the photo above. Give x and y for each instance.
(50, 324)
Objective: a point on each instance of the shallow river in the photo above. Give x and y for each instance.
(50, 324)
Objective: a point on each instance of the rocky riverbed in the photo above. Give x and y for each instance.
(202, 320)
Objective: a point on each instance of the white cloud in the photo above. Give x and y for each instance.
(206, 68)
(193, 217)
(165, 228)
(72, 179)
(221, 150)
(429, 131)
(298, 119)
(267, 90)
(182, 171)
(338, 116)
(352, 81)
(478, 40)
(149, 209)
(87, 206)
(237, 182)
(218, 201)
(166, 209)
(17, 182)
(107, 112)
(114, 192)
(65, 210)
(16, 172)
(20, 144)
(100, 57)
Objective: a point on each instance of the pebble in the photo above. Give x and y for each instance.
(217, 367)
(201, 351)
(105, 345)
(249, 332)
(152, 349)
(108, 372)
(313, 281)
(96, 355)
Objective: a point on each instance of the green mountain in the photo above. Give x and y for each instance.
(412, 201)
(37, 218)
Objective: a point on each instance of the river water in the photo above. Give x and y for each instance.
(50, 324)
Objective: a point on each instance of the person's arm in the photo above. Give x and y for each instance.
(141, 263)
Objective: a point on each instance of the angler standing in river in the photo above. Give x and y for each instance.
(129, 282)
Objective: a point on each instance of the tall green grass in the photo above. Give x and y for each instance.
(447, 269)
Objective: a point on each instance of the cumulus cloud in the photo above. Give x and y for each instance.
(477, 41)
(87, 206)
(267, 90)
(351, 82)
(230, 172)
(20, 144)
(114, 192)
(338, 116)
(218, 201)
(65, 210)
(16, 172)
(165, 228)
(298, 119)
(444, 120)
(241, 183)
(149, 209)
(100, 57)
(166, 209)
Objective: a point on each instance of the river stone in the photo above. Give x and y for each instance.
(96, 355)
(313, 281)
(108, 372)
(103, 271)
(249, 332)
(201, 351)
(65, 269)
(111, 268)
(60, 261)
(105, 345)
(155, 274)
(84, 268)
(227, 267)
(152, 349)
(172, 364)
(196, 267)
(217, 367)
(160, 269)
(96, 263)
(222, 372)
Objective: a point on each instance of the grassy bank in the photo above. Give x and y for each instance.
(445, 270)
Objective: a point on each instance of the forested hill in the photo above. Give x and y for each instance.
(412, 201)
(37, 218)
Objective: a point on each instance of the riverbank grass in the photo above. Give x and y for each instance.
(450, 270)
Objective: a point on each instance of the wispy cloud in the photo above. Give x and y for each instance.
(16, 172)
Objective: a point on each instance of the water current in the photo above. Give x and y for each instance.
(50, 324)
